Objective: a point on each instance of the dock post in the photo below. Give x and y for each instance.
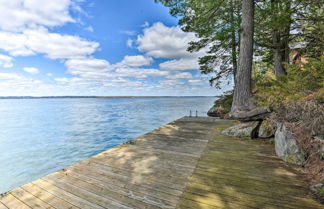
(190, 114)
(196, 114)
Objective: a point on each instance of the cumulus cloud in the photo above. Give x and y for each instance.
(161, 41)
(180, 64)
(17, 15)
(184, 75)
(9, 76)
(140, 73)
(31, 70)
(169, 83)
(53, 45)
(88, 67)
(5, 61)
(135, 61)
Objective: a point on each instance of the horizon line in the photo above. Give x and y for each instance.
(35, 97)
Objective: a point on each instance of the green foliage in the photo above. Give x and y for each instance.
(225, 101)
(298, 97)
(304, 82)
(216, 24)
(309, 25)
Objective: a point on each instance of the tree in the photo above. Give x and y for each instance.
(273, 32)
(308, 16)
(216, 24)
(242, 92)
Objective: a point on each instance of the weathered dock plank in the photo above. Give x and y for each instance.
(184, 164)
(243, 173)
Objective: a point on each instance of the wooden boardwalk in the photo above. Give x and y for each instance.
(184, 164)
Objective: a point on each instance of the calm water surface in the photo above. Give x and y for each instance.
(40, 136)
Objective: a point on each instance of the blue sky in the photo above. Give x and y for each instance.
(96, 47)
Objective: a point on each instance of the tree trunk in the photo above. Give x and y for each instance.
(280, 38)
(233, 43)
(242, 107)
(278, 54)
(242, 91)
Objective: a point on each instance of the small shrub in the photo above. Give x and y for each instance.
(303, 83)
(297, 97)
(225, 101)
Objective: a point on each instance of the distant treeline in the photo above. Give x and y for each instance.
(82, 97)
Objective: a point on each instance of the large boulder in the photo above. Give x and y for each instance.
(266, 130)
(287, 147)
(243, 130)
(216, 112)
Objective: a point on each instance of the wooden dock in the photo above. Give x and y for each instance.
(184, 164)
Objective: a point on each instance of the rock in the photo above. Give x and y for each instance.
(266, 130)
(318, 191)
(216, 112)
(250, 115)
(249, 112)
(287, 147)
(321, 152)
(243, 130)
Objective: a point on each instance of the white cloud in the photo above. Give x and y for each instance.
(145, 24)
(169, 83)
(54, 45)
(198, 82)
(31, 70)
(180, 64)
(17, 15)
(122, 83)
(88, 67)
(5, 61)
(15, 44)
(9, 76)
(140, 73)
(161, 41)
(135, 61)
(89, 28)
(130, 43)
(184, 75)
(65, 80)
(49, 74)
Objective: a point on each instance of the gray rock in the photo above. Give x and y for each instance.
(321, 152)
(318, 191)
(216, 112)
(212, 112)
(243, 130)
(266, 130)
(287, 147)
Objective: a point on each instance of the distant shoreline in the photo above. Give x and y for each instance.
(84, 97)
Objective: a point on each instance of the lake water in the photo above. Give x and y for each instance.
(40, 136)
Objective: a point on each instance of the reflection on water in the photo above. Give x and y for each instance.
(39, 136)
